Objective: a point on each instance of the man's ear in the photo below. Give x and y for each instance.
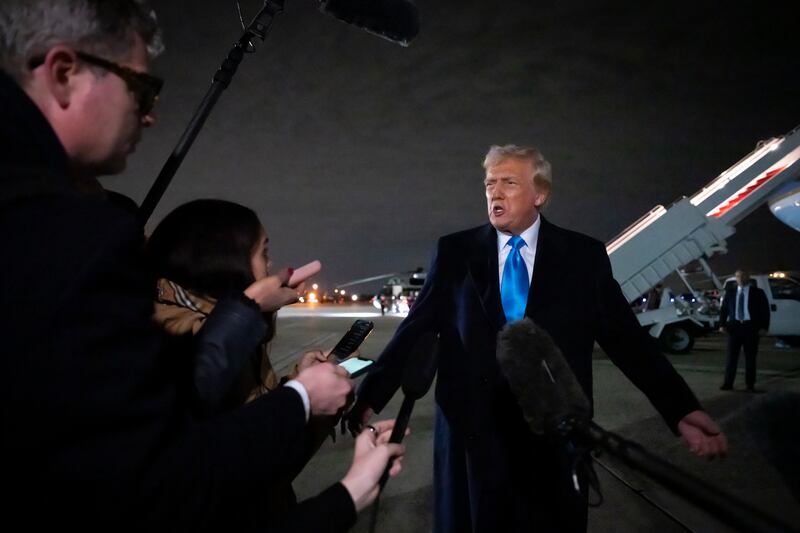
(60, 69)
(540, 198)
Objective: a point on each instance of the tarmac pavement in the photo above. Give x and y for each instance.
(761, 469)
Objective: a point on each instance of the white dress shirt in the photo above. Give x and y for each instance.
(301, 390)
(528, 252)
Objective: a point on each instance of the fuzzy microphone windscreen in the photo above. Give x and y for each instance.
(539, 376)
(395, 20)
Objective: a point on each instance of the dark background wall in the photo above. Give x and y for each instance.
(361, 153)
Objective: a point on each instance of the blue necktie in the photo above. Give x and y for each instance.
(514, 287)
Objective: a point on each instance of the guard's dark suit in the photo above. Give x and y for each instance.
(491, 473)
(743, 334)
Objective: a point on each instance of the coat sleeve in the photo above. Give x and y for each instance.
(212, 474)
(230, 335)
(331, 511)
(723, 308)
(386, 375)
(633, 351)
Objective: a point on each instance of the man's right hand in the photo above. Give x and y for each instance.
(358, 417)
(328, 387)
(271, 293)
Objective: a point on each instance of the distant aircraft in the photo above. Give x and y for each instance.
(399, 292)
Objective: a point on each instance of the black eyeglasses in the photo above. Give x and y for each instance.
(145, 87)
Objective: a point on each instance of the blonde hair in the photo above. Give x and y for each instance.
(542, 171)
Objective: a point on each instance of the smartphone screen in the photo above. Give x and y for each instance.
(356, 366)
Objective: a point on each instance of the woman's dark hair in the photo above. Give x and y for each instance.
(205, 246)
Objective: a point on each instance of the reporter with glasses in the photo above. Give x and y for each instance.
(94, 433)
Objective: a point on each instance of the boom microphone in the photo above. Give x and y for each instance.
(395, 20)
(553, 403)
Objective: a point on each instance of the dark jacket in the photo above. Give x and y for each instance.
(575, 298)
(93, 432)
(757, 305)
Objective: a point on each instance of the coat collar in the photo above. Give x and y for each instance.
(550, 251)
(31, 156)
(483, 269)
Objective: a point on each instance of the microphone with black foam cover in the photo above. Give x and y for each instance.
(395, 20)
(418, 374)
(553, 403)
(539, 377)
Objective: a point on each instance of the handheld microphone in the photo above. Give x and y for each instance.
(394, 20)
(418, 375)
(553, 403)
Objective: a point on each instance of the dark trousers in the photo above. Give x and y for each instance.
(741, 335)
(531, 494)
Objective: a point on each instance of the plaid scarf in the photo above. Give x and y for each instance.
(179, 311)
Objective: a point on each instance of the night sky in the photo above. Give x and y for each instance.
(361, 153)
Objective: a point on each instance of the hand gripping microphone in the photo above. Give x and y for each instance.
(553, 403)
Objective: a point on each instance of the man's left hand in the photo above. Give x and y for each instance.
(703, 435)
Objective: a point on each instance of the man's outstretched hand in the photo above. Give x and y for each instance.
(704, 436)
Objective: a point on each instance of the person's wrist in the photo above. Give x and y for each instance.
(357, 492)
